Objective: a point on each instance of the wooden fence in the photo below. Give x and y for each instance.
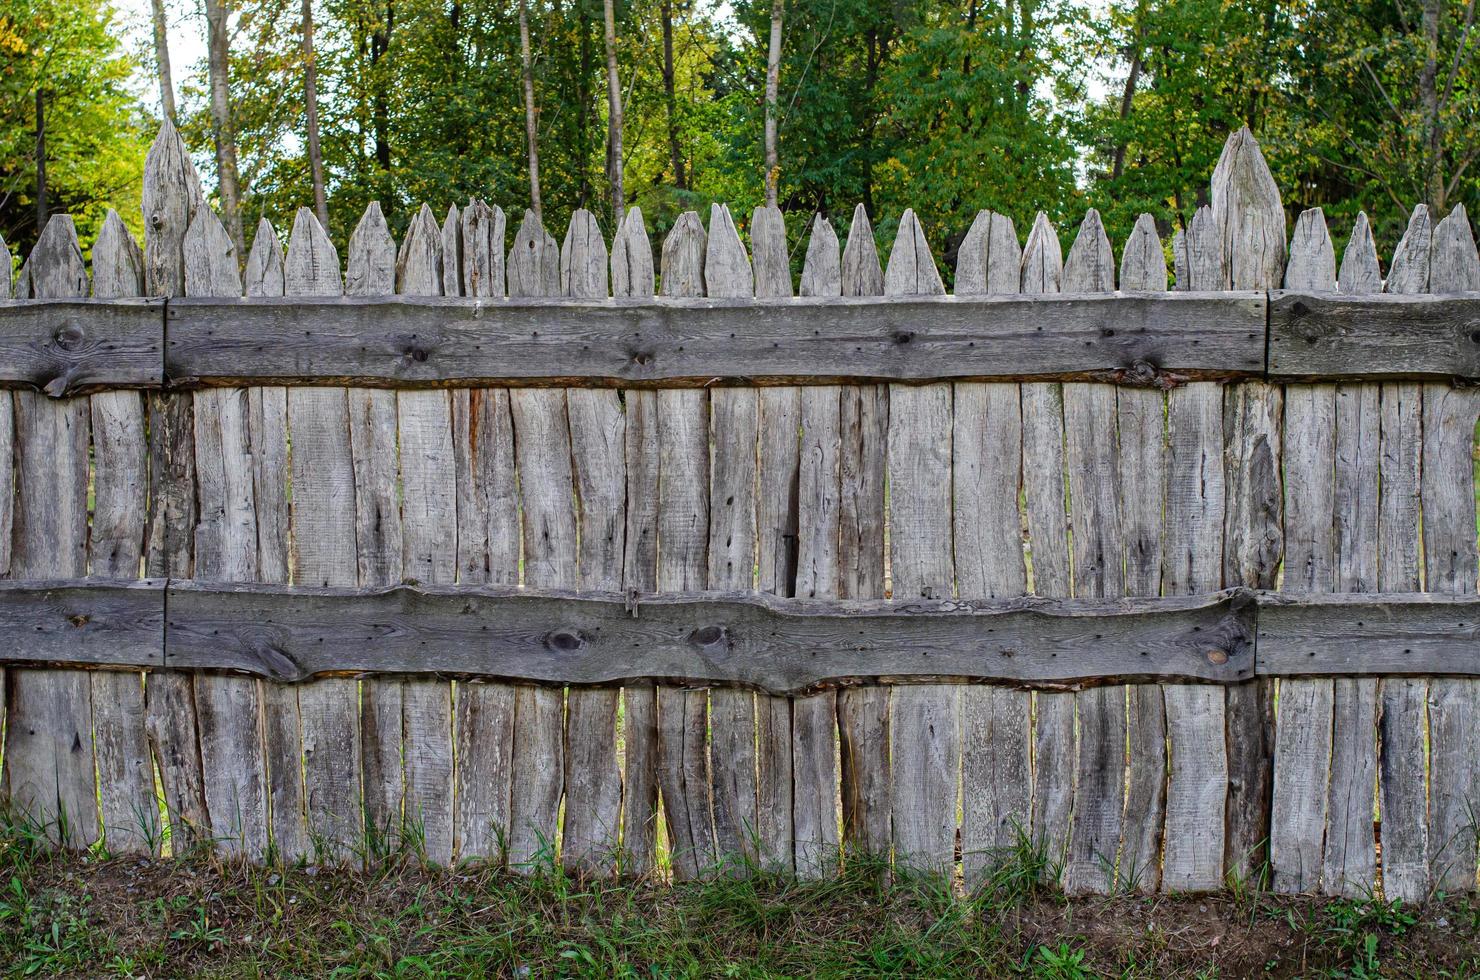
(1176, 584)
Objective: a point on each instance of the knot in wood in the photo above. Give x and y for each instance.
(69, 335)
(1141, 372)
(564, 641)
(417, 353)
(712, 639)
(1217, 657)
(903, 337)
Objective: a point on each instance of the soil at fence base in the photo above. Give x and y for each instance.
(66, 916)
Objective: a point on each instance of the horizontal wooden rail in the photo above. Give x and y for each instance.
(67, 347)
(781, 646)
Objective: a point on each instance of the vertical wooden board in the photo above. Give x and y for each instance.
(451, 253)
(1141, 417)
(1349, 866)
(49, 757)
(683, 536)
(632, 276)
(822, 271)
(925, 737)
(794, 736)
(1143, 264)
(228, 709)
(593, 786)
(734, 421)
(371, 271)
(986, 469)
(542, 447)
(1207, 261)
(863, 712)
(1447, 489)
(483, 249)
(1090, 267)
(1302, 748)
(323, 554)
(126, 804)
(1409, 272)
(990, 258)
(1360, 272)
(813, 749)
(1098, 549)
(1197, 787)
(1312, 265)
(1403, 711)
(1454, 264)
(1044, 493)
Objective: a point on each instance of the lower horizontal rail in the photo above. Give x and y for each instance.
(781, 646)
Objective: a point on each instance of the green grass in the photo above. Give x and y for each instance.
(95, 915)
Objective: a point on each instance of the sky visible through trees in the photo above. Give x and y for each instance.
(945, 107)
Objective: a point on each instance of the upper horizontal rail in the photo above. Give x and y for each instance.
(74, 346)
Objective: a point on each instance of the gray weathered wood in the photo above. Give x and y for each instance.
(863, 713)
(1181, 268)
(990, 258)
(1207, 258)
(482, 249)
(772, 265)
(371, 270)
(1098, 566)
(1447, 490)
(1312, 265)
(986, 469)
(925, 741)
(1454, 265)
(323, 531)
(533, 266)
(683, 531)
(1403, 727)
(171, 196)
(822, 271)
(1409, 272)
(1090, 267)
(452, 253)
(1198, 784)
(1302, 748)
(406, 342)
(1249, 215)
(126, 800)
(69, 346)
(1360, 272)
(5, 270)
(783, 646)
(1043, 259)
(264, 272)
(1143, 264)
(1337, 336)
(632, 276)
(1349, 865)
(114, 623)
(593, 782)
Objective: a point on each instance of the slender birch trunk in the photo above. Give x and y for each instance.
(613, 117)
(531, 114)
(218, 65)
(311, 113)
(162, 60)
(773, 78)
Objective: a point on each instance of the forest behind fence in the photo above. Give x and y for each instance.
(640, 564)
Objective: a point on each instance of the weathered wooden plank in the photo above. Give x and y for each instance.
(228, 709)
(401, 342)
(323, 531)
(1207, 256)
(986, 469)
(863, 713)
(1454, 265)
(925, 723)
(796, 741)
(1403, 714)
(822, 271)
(1349, 867)
(593, 782)
(126, 803)
(683, 530)
(1090, 267)
(451, 253)
(1447, 489)
(428, 554)
(1302, 748)
(990, 258)
(1143, 264)
(90, 623)
(632, 276)
(1360, 272)
(49, 757)
(1098, 557)
(734, 428)
(1409, 272)
(1340, 336)
(1198, 784)
(542, 446)
(70, 346)
(1312, 265)
(1249, 215)
(483, 249)
(1044, 494)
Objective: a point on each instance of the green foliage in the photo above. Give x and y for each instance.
(95, 134)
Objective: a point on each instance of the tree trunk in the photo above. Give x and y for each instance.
(1132, 79)
(227, 178)
(1428, 90)
(613, 117)
(584, 100)
(162, 61)
(41, 205)
(531, 114)
(674, 152)
(311, 112)
(380, 45)
(773, 78)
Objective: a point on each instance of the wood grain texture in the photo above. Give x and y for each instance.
(1374, 336)
(863, 713)
(71, 346)
(925, 722)
(127, 808)
(406, 342)
(1409, 272)
(632, 276)
(49, 757)
(1360, 272)
(1143, 264)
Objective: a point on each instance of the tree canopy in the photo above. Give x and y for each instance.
(945, 106)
